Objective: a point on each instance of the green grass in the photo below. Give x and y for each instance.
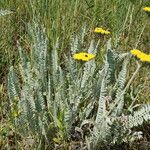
(125, 19)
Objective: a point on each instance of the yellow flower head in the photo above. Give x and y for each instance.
(101, 30)
(83, 56)
(142, 56)
(145, 58)
(146, 9)
(135, 52)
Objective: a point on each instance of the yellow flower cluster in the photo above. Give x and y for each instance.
(101, 30)
(142, 56)
(83, 56)
(146, 9)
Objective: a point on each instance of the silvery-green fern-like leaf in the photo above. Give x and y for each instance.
(88, 72)
(120, 86)
(122, 56)
(139, 116)
(13, 85)
(102, 102)
(69, 116)
(111, 64)
(54, 57)
(83, 31)
(74, 44)
(101, 133)
(122, 75)
(92, 49)
(49, 93)
(87, 111)
(39, 49)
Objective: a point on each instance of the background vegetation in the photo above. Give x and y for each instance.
(125, 19)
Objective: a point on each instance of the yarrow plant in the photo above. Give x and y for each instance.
(101, 31)
(140, 55)
(83, 56)
(72, 102)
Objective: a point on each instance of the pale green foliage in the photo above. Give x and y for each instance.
(112, 123)
(13, 85)
(139, 116)
(32, 105)
(52, 96)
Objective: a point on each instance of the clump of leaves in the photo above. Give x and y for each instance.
(79, 101)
